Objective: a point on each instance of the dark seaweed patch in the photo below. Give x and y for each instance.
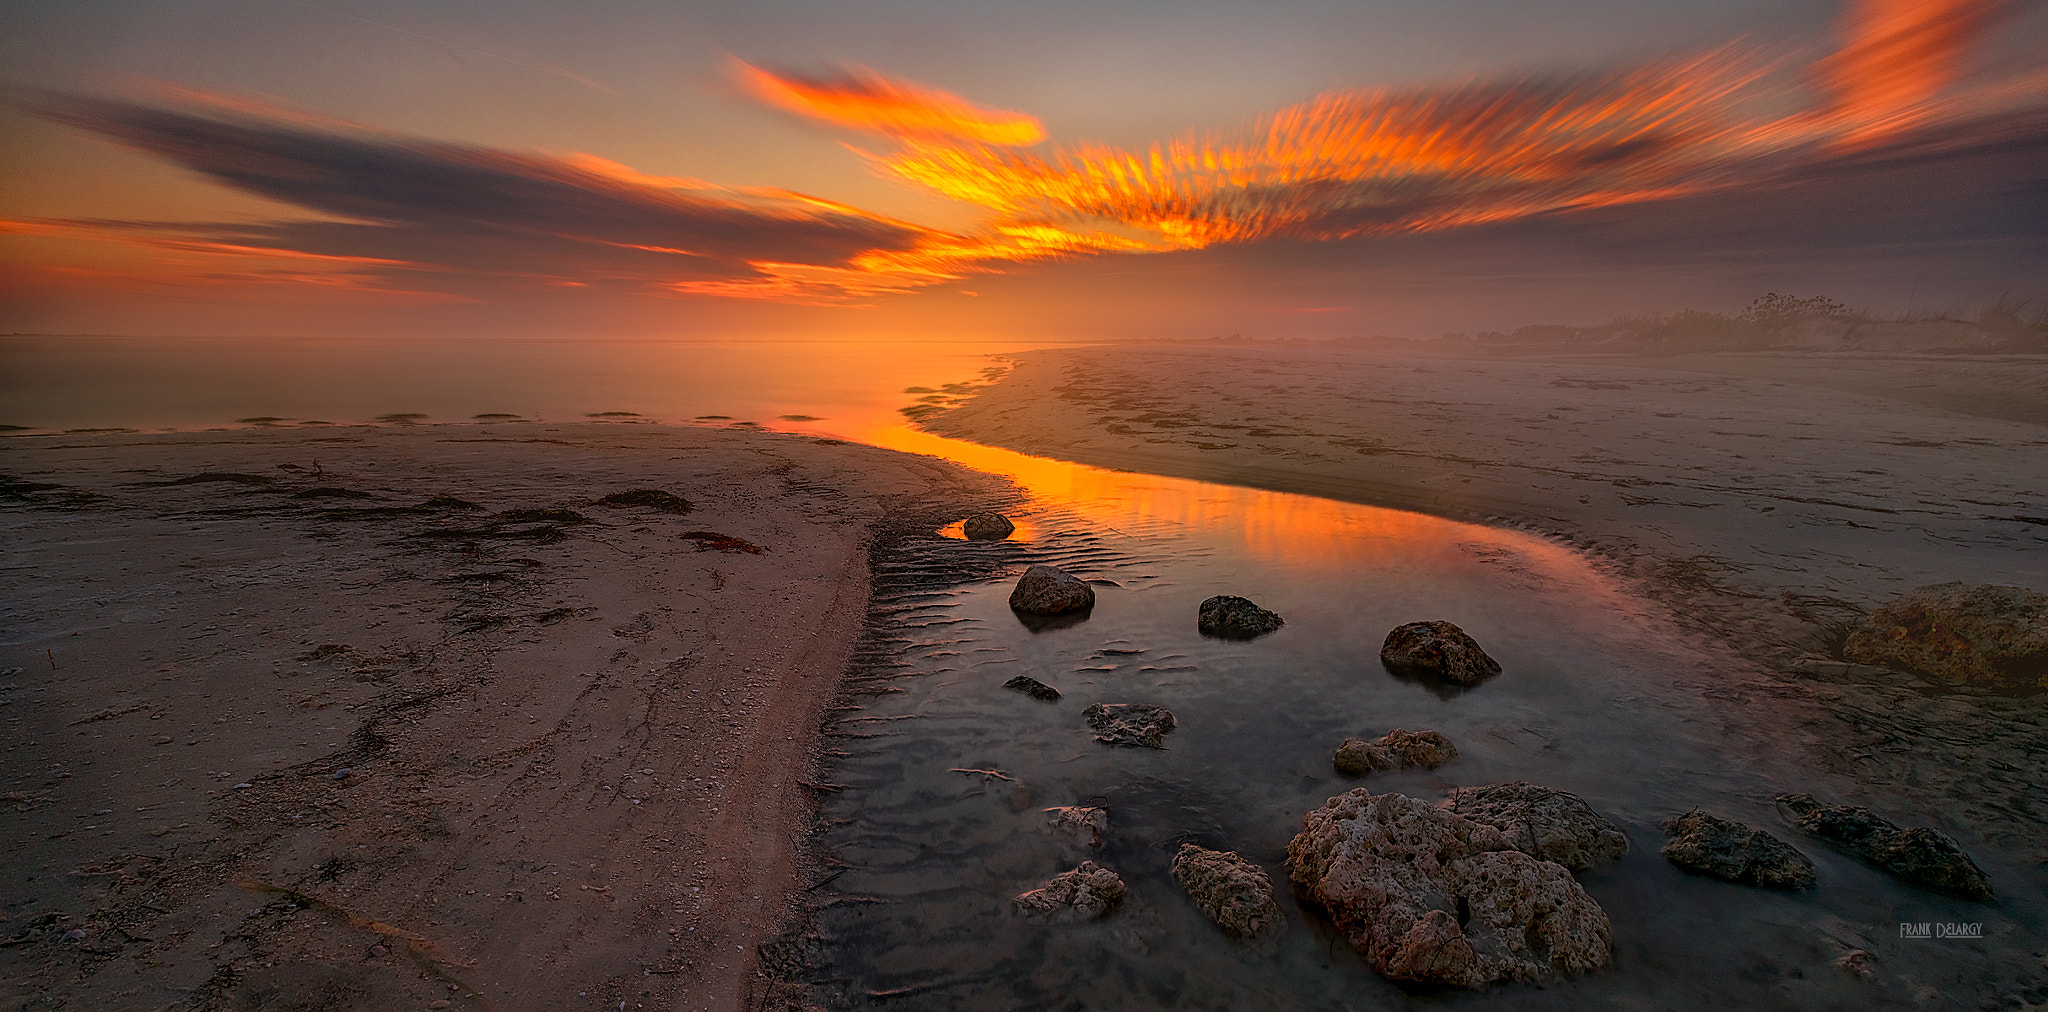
(613, 414)
(211, 477)
(722, 542)
(449, 502)
(542, 516)
(493, 416)
(326, 492)
(650, 498)
(400, 417)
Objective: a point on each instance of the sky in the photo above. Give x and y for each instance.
(1047, 170)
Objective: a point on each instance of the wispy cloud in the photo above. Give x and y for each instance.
(398, 214)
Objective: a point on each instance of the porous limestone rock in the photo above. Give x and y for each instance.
(1235, 618)
(1542, 823)
(1396, 750)
(1427, 895)
(1083, 823)
(1087, 892)
(987, 527)
(1129, 723)
(1437, 650)
(1231, 891)
(1991, 636)
(1044, 590)
(1732, 852)
(1924, 857)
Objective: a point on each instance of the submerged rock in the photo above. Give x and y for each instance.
(1044, 590)
(1086, 823)
(1139, 724)
(1398, 749)
(1732, 852)
(987, 527)
(1087, 892)
(1232, 892)
(1235, 618)
(1437, 650)
(1427, 895)
(1990, 636)
(1924, 857)
(1032, 687)
(1542, 823)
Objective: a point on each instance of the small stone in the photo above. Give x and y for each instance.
(1044, 590)
(439, 1003)
(1139, 724)
(378, 950)
(1032, 687)
(160, 831)
(1087, 823)
(987, 527)
(1425, 749)
(1732, 852)
(1235, 618)
(342, 774)
(1087, 892)
(1233, 893)
(1437, 650)
(74, 935)
(1856, 961)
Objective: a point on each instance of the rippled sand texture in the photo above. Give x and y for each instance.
(1764, 498)
(943, 775)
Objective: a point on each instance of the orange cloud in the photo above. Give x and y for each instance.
(864, 100)
(1897, 57)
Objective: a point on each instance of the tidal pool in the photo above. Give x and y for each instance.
(946, 774)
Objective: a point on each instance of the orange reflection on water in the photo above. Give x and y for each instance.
(1289, 531)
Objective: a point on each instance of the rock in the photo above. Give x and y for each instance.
(1542, 823)
(1044, 590)
(1426, 749)
(1857, 962)
(1427, 895)
(1437, 650)
(1235, 618)
(1087, 823)
(1990, 636)
(1924, 857)
(987, 527)
(1231, 891)
(1032, 687)
(1085, 893)
(1733, 852)
(1129, 723)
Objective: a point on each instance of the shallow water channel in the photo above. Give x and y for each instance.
(947, 774)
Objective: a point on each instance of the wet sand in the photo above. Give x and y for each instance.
(284, 731)
(1764, 500)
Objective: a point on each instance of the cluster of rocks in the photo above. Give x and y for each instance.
(1138, 724)
(1398, 749)
(1232, 892)
(1924, 857)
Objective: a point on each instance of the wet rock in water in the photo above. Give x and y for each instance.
(1235, 618)
(1928, 858)
(1086, 823)
(1044, 590)
(1427, 895)
(1139, 724)
(1542, 823)
(1231, 891)
(1732, 852)
(1990, 636)
(1398, 749)
(1032, 687)
(1087, 892)
(1437, 650)
(987, 527)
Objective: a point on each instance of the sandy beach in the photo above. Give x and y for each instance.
(1766, 500)
(408, 716)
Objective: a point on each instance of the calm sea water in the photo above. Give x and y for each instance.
(1599, 697)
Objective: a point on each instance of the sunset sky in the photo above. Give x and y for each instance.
(1031, 170)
